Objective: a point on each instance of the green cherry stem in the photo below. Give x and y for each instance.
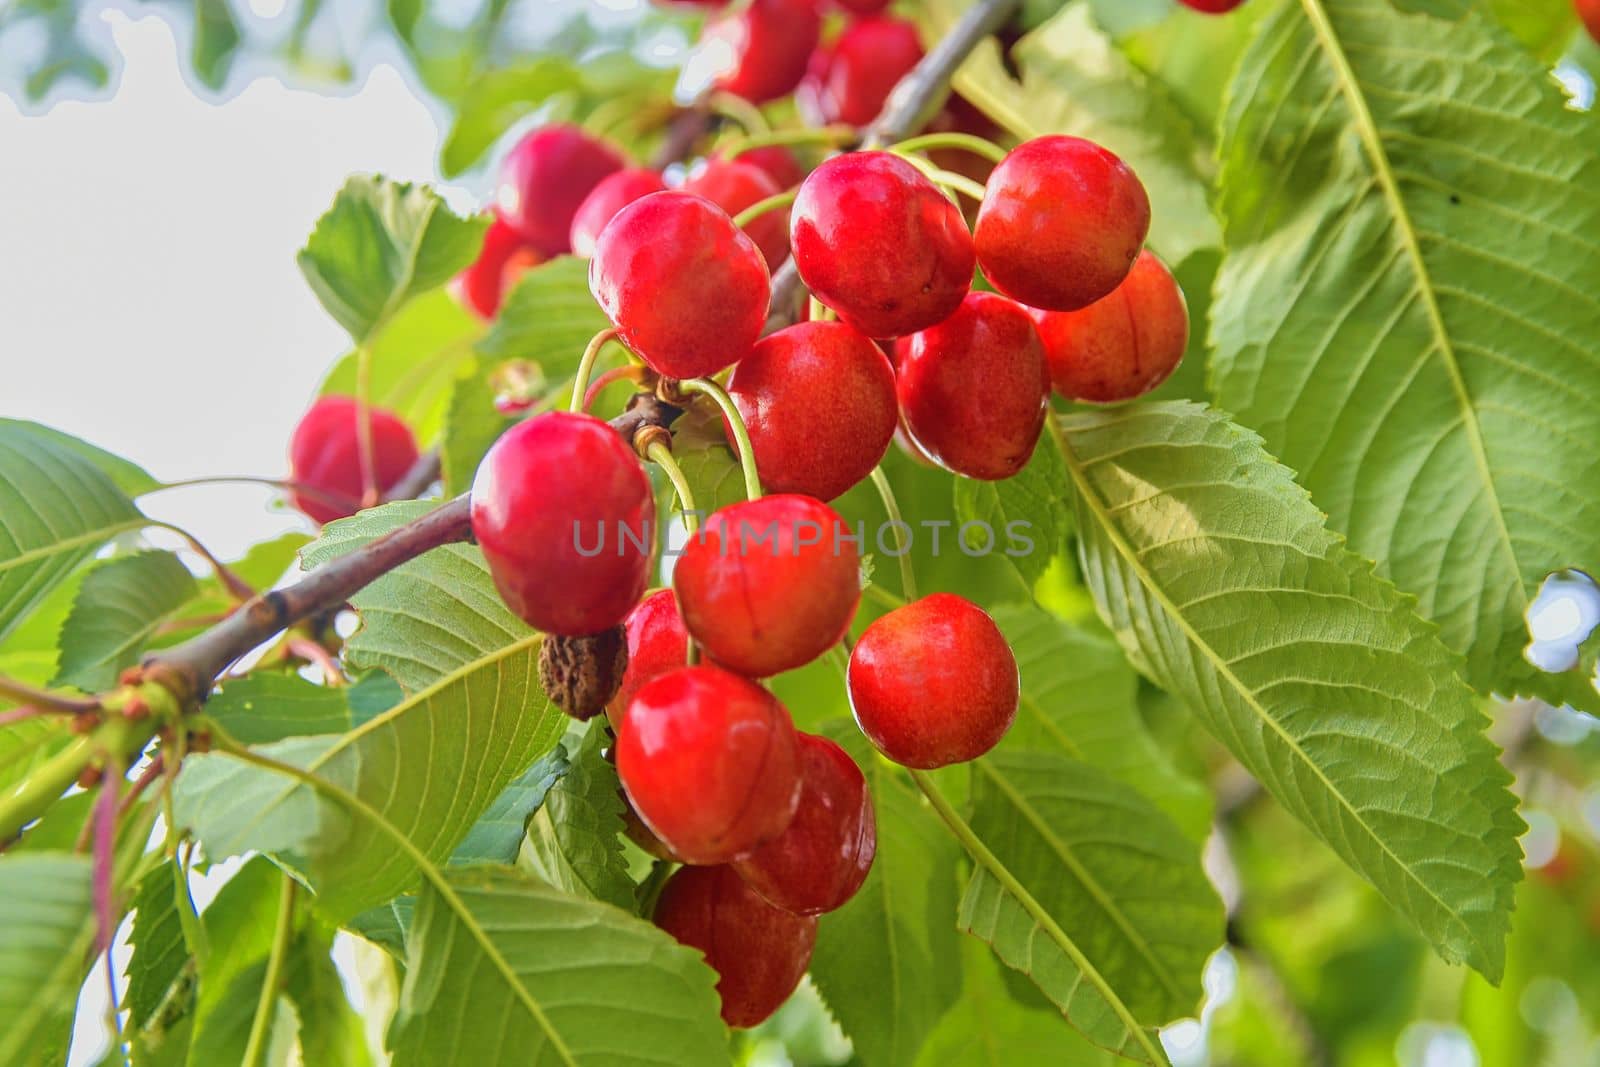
(978, 146)
(908, 578)
(23, 693)
(817, 311)
(874, 591)
(580, 382)
(761, 207)
(237, 587)
(255, 1050)
(958, 182)
(832, 136)
(730, 411)
(661, 456)
(740, 110)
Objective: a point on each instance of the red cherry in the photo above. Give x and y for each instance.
(762, 50)
(657, 643)
(818, 399)
(769, 584)
(778, 162)
(863, 7)
(545, 177)
(615, 192)
(1061, 223)
(933, 683)
(565, 516)
(759, 952)
(1212, 7)
(1589, 12)
(878, 242)
(820, 861)
(481, 285)
(867, 62)
(1122, 345)
(710, 762)
(973, 390)
(325, 454)
(686, 289)
(734, 186)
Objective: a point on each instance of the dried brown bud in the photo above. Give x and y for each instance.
(581, 674)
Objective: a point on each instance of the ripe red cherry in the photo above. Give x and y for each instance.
(867, 62)
(973, 390)
(1122, 345)
(818, 400)
(615, 192)
(762, 51)
(769, 584)
(657, 643)
(778, 162)
(686, 289)
(734, 186)
(820, 861)
(933, 683)
(1589, 12)
(760, 952)
(878, 242)
(1212, 7)
(325, 455)
(545, 177)
(481, 285)
(1061, 223)
(565, 516)
(710, 762)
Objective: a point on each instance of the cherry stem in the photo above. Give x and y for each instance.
(960, 183)
(255, 1049)
(22, 714)
(740, 110)
(978, 146)
(156, 768)
(908, 578)
(883, 596)
(285, 485)
(817, 311)
(730, 411)
(23, 693)
(580, 382)
(308, 650)
(761, 207)
(105, 837)
(833, 136)
(630, 373)
(237, 587)
(662, 457)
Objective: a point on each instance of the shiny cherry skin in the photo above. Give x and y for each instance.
(760, 952)
(565, 515)
(818, 399)
(820, 861)
(657, 643)
(1589, 12)
(325, 455)
(762, 50)
(734, 186)
(710, 761)
(1120, 346)
(1212, 7)
(615, 192)
(866, 63)
(482, 284)
(973, 390)
(779, 163)
(686, 289)
(933, 683)
(770, 584)
(545, 177)
(878, 243)
(1061, 223)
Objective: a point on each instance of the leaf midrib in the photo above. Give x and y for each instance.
(1132, 561)
(1372, 140)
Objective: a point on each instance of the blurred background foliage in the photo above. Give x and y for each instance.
(1318, 970)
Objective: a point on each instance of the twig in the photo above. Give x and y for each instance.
(416, 481)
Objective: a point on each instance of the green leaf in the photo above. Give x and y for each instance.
(497, 835)
(56, 508)
(500, 961)
(700, 445)
(1345, 705)
(888, 963)
(330, 1030)
(548, 318)
(1118, 877)
(496, 100)
(1407, 303)
(471, 425)
(239, 925)
(1545, 27)
(44, 941)
(1032, 524)
(1075, 81)
(414, 361)
(429, 618)
(159, 952)
(381, 244)
(118, 609)
(1080, 699)
(216, 41)
(265, 707)
(126, 475)
(574, 839)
